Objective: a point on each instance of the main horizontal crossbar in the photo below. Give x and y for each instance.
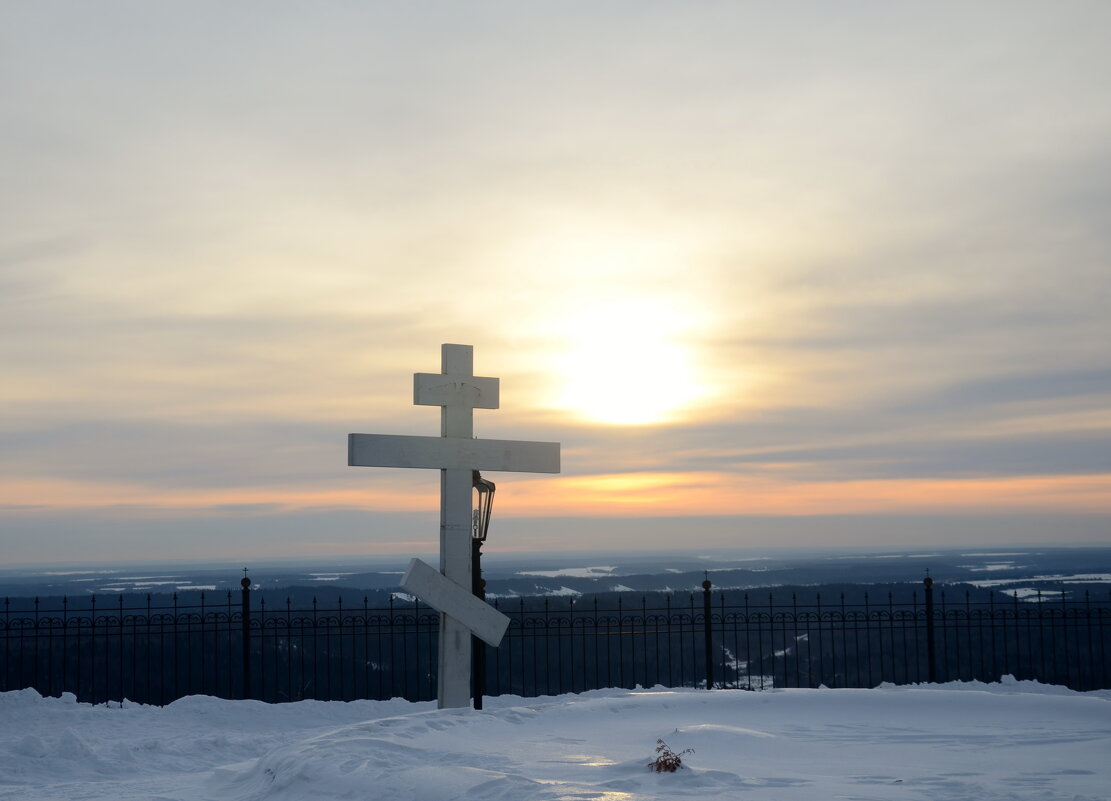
(442, 453)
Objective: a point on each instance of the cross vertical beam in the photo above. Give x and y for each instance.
(456, 420)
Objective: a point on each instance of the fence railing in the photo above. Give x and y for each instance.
(243, 648)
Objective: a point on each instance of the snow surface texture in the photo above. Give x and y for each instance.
(1016, 740)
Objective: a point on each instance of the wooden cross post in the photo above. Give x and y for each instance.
(456, 454)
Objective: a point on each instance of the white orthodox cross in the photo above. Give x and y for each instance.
(456, 454)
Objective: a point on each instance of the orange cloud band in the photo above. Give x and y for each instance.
(618, 495)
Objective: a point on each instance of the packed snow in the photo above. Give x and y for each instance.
(1015, 740)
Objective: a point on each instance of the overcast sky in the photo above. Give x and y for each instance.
(791, 273)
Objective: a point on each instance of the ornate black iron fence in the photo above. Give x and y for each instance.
(236, 649)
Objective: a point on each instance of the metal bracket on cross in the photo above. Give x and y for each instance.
(456, 453)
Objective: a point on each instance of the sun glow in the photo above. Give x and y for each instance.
(626, 363)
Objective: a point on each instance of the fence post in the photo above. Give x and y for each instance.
(708, 632)
(931, 650)
(478, 647)
(7, 683)
(245, 583)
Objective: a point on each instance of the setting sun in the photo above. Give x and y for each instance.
(626, 364)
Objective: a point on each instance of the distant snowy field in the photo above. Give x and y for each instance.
(1017, 740)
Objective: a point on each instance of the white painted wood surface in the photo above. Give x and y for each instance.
(436, 389)
(456, 422)
(392, 450)
(444, 595)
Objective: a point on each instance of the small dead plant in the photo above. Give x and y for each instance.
(667, 761)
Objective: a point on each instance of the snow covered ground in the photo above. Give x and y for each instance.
(1016, 740)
